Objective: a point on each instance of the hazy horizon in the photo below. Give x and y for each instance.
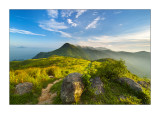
(23, 53)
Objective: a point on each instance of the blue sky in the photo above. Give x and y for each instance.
(119, 30)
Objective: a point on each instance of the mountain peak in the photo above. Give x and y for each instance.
(67, 45)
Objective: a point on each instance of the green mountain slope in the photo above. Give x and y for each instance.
(138, 62)
(66, 50)
(38, 72)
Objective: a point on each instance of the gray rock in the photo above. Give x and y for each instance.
(122, 97)
(144, 84)
(72, 88)
(97, 85)
(131, 83)
(23, 88)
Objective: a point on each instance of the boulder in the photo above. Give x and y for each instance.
(122, 97)
(131, 83)
(144, 84)
(72, 88)
(23, 88)
(97, 85)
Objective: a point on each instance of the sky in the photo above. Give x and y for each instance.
(118, 30)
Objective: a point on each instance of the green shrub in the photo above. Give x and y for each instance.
(112, 69)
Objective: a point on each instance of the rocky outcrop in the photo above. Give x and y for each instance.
(131, 83)
(72, 88)
(23, 88)
(122, 97)
(144, 84)
(97, 85)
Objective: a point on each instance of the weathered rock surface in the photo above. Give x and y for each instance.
(144, 84)
(23, 88)
(122, 97)
(97, 85)
(131, 83)
(72, 88)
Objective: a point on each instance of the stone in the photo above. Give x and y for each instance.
(144, 84)
(23, 88)
(122, 97)
(131, 83)
(72, 88)
(97, 85)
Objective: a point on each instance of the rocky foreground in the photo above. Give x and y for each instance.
(72, 88)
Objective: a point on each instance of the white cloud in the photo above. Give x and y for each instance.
(13, 30)
(53, 13)
(64, 34)
(137, 41)
(71, 22)
(80, 12)
(93, 23)
(67, 13)
(130, 37)
(120, 24)
(52, 25)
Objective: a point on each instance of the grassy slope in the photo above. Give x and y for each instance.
(113, 90)
(37, 71)
(136, 62)
(66, 50)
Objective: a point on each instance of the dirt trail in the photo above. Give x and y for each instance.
(46, 96)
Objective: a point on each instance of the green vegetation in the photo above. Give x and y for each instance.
(109, 71)
(138, 63)
(37, 71)
(66, 50)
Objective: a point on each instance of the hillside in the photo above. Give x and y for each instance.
(38, 72)
(138, 63)
(66, 50)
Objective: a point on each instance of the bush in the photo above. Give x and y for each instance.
(112, 69)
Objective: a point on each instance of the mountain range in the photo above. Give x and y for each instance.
(139, 63)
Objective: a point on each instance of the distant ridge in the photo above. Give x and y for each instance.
(137, 62)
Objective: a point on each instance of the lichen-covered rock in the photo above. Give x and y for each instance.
(122, 97)
(131, 83)
(72, 88)
(23, 88)
(97, 85)
(144, 84)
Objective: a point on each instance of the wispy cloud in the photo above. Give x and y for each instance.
(67, 13)
(93, 23)
(80, 12)
(52, 25)
(126, 42)
(13, 30)
(71, 22)
(52, 13)
(64, 34)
